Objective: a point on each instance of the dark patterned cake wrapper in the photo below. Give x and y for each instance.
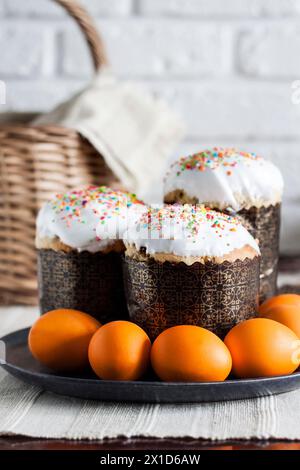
(265, 226)
(92, 283)
(214, 296)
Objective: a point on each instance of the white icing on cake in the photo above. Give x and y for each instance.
(188, 230)
(226, 178)
(87, 219)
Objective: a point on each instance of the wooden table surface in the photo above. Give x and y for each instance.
(287, 265)
(22, 443)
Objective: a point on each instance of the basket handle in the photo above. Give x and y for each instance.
(89, 29)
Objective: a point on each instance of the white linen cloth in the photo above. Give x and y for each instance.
(29, 411)
(133, 131)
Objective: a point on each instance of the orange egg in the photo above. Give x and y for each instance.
(120, 350)
(59, 339)
(188, 353)
(263, 348)
(287, 314)
(283, 299)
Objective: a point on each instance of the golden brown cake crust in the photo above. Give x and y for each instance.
(237, 254)
(179, 196)
(57, 245)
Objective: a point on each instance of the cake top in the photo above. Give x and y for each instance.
(225, 178)
(188, 230)
(89, 218)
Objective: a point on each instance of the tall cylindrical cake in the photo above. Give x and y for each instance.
(238, 183)
(186, 264)
(79, 251)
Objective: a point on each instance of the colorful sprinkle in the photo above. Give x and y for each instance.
(191, 218)
(71, 206)
(213, 159)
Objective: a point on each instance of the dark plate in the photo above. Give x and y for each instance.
(21, 364)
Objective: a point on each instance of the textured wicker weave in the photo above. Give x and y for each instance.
(35, 162)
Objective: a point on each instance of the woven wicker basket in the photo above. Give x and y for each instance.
(35, 162)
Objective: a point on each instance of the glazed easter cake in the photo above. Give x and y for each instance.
(185, 264)
(79, 242)
(236, 182)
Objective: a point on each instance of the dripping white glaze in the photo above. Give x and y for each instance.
(226, 178)
(87, 219)
(187, 230)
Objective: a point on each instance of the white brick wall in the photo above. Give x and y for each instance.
(270, 51)
(48, 9)
(226, 65)
(217, 8)
(138, 48)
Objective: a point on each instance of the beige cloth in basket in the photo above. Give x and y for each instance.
(134, 132)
